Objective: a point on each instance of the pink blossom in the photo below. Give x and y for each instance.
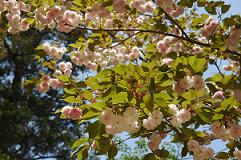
(167, 61)
(53, 12)
(228, 67)
(149, 7)
(192, 145)
(235, 131)
(237, 154)
(106, 116)
(65, 110)
(75, 113)
(45, 78)
(55, 83)
(24, 25)
(208, 153)
(57, 73)
(71, 113)
(218, 95)
(119, 5)
(154, 141)
(94, 145)
(183, 115)
(237, 94)
(198, 82)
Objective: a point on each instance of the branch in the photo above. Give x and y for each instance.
(123, 41)
(187, 39)
(184, 34)
(215, 63)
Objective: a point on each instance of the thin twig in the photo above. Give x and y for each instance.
(123, 41)
(215, 63)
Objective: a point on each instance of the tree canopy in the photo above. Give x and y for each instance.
(147, 61)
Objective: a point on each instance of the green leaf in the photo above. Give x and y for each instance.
(90, 114)
(112, 152)
(72, 99)
(211, 8)
(222, 155)
(215, 78)
(104, 145)
(186, 3)
(205, 114)
(189, 95)
(64, 78)
(149, 156)
(79, 142)
(201, 3)
(120, 98)
(226, 103)
(87, 95)
(217, 116)
(95, 130)
(83, 153)
(71, 91)
(184, 150)
(163, 153)
(226, 79)
(167, 83)
(188, 132)
(197, 64)
(225, 8)
(148, 101)
(232, 144)
(98, 105)
(120, 69)
(163, 95)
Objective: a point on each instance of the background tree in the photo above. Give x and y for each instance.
(29, 127)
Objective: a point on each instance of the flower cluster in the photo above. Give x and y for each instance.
(169, 44)
(237, 154)
(166, 61)
(199, 152)
(180, 116)
(57, 17)
(197, 82)
(71, 113)
(210, 27)
(97, 12)
(15, 22)
(54, 52)
(117, 123)
(104, 57)
(47, 82)
(65, 67)
(119, 5)
(219, 131)
(218, 95)
(170, 7)
(154, 119)
(2, 6)
(237, 94)
(233, 40)
(186, 83)
(181, 86)
(197, 49)
(142, 6)
(155, 140)
(234, 66)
